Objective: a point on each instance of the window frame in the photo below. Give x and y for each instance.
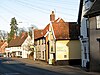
(98, 22)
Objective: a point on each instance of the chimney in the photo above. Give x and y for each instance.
(52, 17)
(14, 37)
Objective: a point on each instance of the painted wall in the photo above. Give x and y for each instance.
(16, 50)
(66, 50)
(94, 46)
(74, 49)
(83, 28)
(25, 47)
(40, 50)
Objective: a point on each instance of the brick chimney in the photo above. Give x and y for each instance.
(52, 17)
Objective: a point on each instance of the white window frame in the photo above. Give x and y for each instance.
(98, 22)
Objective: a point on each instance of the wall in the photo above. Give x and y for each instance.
(74, 49)
(47, 45)
(40, 50)
(67, 50)
(16, 50)
(62, 50)
(26, 46)
(83, 28)
(94, 46)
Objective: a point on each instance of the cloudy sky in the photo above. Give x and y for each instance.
(36, 12)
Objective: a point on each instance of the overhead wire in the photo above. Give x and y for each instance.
(30, 6)
(10, 11)
(49, 4)
(39, 8)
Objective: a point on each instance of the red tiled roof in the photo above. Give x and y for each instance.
(38, 33)
(65, 30)
(61, 29)
(18, 41)
(46, 29)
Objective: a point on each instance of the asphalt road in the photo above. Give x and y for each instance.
(11, 67)
(21, 66)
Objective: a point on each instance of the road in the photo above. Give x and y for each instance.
(11, 67)
(16, 67)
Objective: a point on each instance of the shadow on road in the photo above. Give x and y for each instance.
(11, 67)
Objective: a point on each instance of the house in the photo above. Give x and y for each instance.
(3, 45)
(93, 15)
(20, 45)
(58, 42)
(84, 30)
(64, 45)
(39, 44)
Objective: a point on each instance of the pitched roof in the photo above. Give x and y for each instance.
(18, 41)
(46, 29)
(94, 10)
(74, 30)
(38, 33)
(65, 30)
(61, 30)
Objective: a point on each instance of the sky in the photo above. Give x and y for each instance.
(36, 12)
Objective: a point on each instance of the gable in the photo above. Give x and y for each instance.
(61, 30)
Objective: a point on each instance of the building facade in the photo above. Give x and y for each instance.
(19, 46)
(84, 30)
(94, 35)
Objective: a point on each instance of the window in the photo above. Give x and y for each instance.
(51, 48)
(43, 41)
(87, 4)
(19, 53)
(85, 53)
(43, 54)
(98, 22)
(87, 24)
(65, 56)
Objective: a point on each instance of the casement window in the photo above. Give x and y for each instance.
(43, 41)
(98, 22)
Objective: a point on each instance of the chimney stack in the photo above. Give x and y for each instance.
(52, 17)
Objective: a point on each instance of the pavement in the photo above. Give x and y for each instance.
(62, 69)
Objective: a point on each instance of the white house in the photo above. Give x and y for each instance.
(84, 23)
(19, 46)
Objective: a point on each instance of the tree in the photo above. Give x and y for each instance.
(13, 28)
